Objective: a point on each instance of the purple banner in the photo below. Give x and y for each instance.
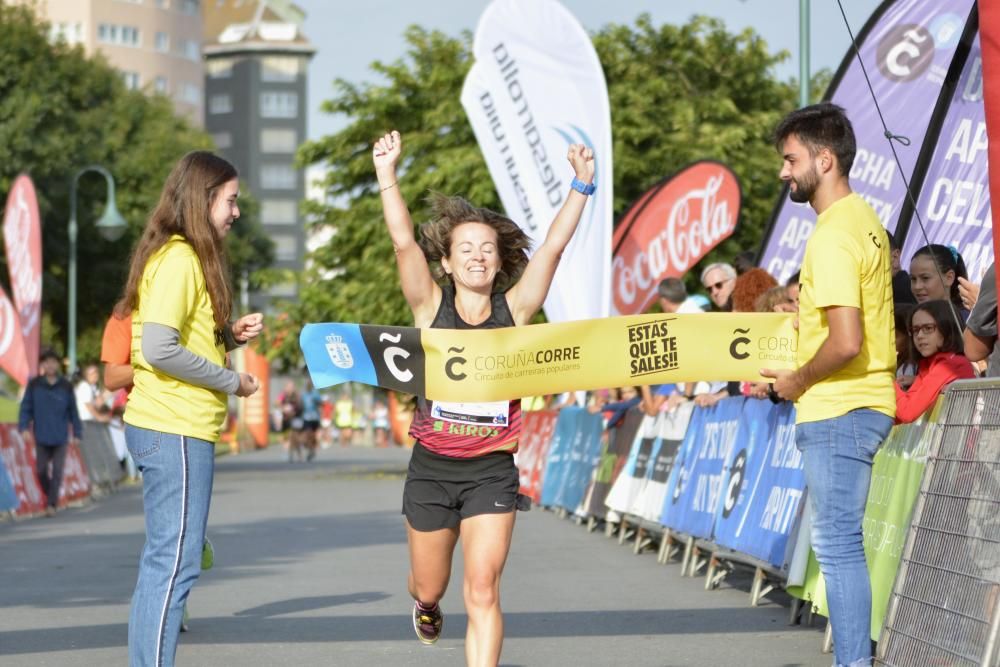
(907, 53)
(954, 202)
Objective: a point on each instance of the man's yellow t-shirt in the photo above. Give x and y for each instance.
(172, 292)
(847, 263)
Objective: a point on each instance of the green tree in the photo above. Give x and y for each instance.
(677, 94)
(60, 111)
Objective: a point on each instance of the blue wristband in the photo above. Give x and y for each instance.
(581, 187)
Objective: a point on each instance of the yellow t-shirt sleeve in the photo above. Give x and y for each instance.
(836, 271)
(172, 289)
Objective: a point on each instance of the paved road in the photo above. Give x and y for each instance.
(310, 570)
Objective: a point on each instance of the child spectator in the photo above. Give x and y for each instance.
(934, 273)
(906, 367)
(937, 343)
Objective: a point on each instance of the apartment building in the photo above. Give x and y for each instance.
(155, 44)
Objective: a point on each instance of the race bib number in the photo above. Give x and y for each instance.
(496, 413)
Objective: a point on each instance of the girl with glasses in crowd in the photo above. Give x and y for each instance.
(936, 345)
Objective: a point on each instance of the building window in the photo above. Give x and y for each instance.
(220, 68)
(278, 140)
(191, 94)
(71, 33)
(162, 42)
(190, 7)
(220, 104)
(131, 80)
(279, 68)
(277, 177)
(121, 35)
(161, 85)
(223, 139)
(286, 247)
(190, 49)
(279, 105)
(279, 211)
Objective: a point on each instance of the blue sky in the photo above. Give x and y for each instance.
(350, 34)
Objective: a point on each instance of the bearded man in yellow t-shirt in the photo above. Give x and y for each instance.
(843, 391)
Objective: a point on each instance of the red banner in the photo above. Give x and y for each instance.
(22, 470)
(669, 229)
(256, 409)
(22, 236)
(19, 459)
(13, 358)
(400, 418)
(989, 39)
(533, 449)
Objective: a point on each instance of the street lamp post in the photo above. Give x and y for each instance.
(111, 225)
(803, 53)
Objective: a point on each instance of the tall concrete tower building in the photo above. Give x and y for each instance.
(256, 62)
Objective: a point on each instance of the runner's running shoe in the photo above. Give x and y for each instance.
(427, 622)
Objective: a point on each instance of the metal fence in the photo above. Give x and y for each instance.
(945, 605)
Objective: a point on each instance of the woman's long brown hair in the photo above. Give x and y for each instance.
(185, 208)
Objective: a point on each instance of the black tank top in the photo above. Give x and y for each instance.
(460, 441)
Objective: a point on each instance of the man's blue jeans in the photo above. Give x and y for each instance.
(837, 456)
(176, 490)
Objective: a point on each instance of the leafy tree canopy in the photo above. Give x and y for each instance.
(61, 111)
(678, 93)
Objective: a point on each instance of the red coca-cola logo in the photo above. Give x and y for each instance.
(669, 229)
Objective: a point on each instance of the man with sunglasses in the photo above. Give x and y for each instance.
(843, 388)
(718, 280)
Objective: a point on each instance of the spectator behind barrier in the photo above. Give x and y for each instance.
(981, 333)
(792, 287)
(674, 298)
(934, 273)
(744, 261)
(906, 366)
(901, 291)
(775, 300)
(749, 287)
(936, 341)
(718, 280)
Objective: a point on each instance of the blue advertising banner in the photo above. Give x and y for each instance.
(582, 458)
(8, 496)
(696, 480)
(559, 450)
(764, 484)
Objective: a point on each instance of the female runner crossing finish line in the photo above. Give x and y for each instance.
(461, 485)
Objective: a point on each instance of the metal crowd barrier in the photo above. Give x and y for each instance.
(945, 604)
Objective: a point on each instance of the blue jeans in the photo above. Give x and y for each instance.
(837, 456)
(176, 490)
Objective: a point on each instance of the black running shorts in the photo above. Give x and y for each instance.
(440, 491)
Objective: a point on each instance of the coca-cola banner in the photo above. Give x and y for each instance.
(669, 229)
(907, 48)
(22, 237)
(954, 203)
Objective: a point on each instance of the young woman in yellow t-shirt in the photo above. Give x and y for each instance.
(180, 300)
